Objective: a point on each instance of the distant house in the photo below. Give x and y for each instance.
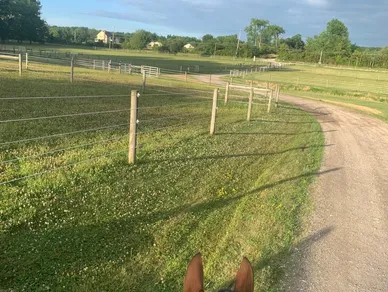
(106, 37)
(189, 47)
(154, 44)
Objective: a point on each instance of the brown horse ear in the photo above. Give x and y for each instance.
(244, 279)
(194, 275)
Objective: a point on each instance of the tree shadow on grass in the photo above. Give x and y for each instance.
(281, 134)
(206, 206)
(292, 122)
(242, 155)
(59, 256)
(52, 257)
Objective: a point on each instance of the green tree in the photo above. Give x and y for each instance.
(255, 31)
(295, 42)
(5, 17)
(274, 31)
(24, 21)
(207, 38)
(139, 40)
(176, 45)
(334, 41)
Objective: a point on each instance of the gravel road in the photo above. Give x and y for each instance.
(345, 247)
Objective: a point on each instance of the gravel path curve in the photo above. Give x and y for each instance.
(345, 247)
(351, 206)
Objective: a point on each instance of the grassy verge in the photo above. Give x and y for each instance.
(102, 224)
(376, 109)
(363, 91)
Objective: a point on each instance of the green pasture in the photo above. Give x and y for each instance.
(366, 82)
(361, 90)
(86, 220)
(209, 64)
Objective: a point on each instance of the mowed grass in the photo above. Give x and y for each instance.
(366, 82)
(91, 222)
(186, 62)
(374, 108)
(361, 90)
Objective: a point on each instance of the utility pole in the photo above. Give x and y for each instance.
(238, 43)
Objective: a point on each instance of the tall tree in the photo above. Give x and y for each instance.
(24, 21)
(295, 42)
(255, 31)
(333, 41)
(207, 38)
(139, 40)
(275, 31)
(5, 16)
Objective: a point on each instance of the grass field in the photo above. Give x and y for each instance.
(167, 61)
(335, 79)
(365, 91)
(89, 221)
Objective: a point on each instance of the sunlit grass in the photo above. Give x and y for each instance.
(91, 222)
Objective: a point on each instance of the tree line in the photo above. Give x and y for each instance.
(21, 20)
(333, 46)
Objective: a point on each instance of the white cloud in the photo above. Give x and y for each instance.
(317, 3)
(204, 3)
(294, 11)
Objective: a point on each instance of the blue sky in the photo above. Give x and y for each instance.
(367, 20)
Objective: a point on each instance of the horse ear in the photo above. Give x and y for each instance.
(244, 279)
(194, 275)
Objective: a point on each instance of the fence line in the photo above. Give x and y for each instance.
(61, 97)
(172, 120)
(177, 105)
(172, 126)
(62, 150)
(62, 134)
(165, 118)
(61, 167)
(62, 116)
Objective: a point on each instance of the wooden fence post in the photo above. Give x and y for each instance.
(26, 61)
(94, 64)
(133, 128)
(109, 66)
(72, 70)
(103, 65)
(250, 105)
(186, 76)
(214, 112)
(227, 92)
(277, 95)
(143, 88)
(270, 101)
(120, 68)
(210, 79)
(20, 65)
